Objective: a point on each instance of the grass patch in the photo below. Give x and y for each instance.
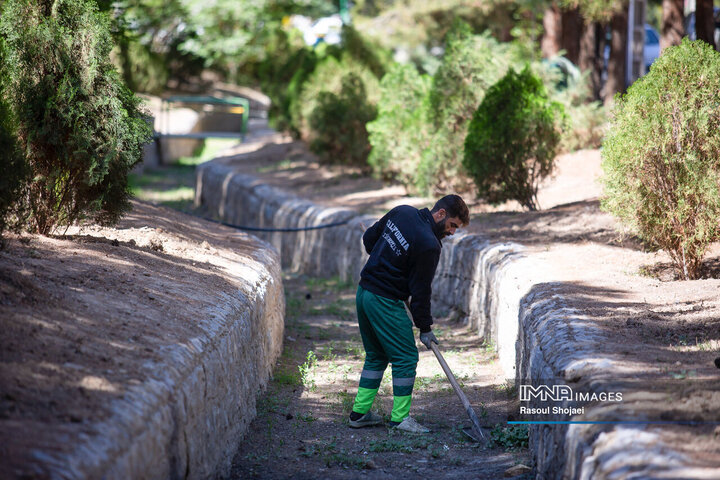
(174, 185)
(335, 284)
(294, 306)
(287, 378)
(211, 148)
(346, 402)
(281, 165)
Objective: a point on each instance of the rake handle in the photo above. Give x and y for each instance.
(475, 423)
(453, 381)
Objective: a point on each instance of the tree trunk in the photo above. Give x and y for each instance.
(672, 29)
(590, 57)
(616, 63)
(572, 27)
(550, 44)
(704, 22)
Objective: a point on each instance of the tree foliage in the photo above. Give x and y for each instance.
(470, 65)
(401, 131)
(513, 138)
(596, 10)
(79, 127)
(148, 35)
(12, 162)
(661, 157)
(339, 122)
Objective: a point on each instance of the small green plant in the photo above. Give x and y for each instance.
(355, 350)
(661, 157)
(511, 438)
(512, 139)
(307, 371)
(389, 445)
(509, 389)
(268, 403)
(255, 457)
(438, 451)
(683, 374)
(344, 458)
(346, 402)
(306, 417)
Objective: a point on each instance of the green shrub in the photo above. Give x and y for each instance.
(365, 51)
(12, 163)
(470, 65)
(289, 66)
(327, 77)
(339, 122)
(400, 133)
(79, 126)
(512, 139)
(286, 96)
(661, 157)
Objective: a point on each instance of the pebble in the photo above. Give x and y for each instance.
(517, 470)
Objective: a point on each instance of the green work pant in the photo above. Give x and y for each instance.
(387, 336)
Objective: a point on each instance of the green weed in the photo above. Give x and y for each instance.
(307, 371)
(389, 446)
(306, 417)
(332, 456)
(509, 438)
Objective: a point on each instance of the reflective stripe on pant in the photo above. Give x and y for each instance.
(387, 336)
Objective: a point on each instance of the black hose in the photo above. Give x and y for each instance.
(287, 229)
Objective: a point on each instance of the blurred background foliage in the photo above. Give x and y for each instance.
(394, 87)
(394, 96)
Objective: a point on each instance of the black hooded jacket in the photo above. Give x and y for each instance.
(404, 248)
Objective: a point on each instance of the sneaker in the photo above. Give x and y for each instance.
(410, 425)
(367, 420)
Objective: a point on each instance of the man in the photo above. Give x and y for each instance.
(404, 248)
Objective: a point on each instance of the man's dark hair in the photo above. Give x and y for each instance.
(454, 206)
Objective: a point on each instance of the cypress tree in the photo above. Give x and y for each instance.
(80, 128)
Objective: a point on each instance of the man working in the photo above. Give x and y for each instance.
(404, 248)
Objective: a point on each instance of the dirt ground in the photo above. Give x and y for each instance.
(301, 431)
(85, 315)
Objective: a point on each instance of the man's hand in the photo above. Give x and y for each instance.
(428, 337)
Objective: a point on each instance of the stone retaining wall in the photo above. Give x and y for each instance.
(186, 418)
